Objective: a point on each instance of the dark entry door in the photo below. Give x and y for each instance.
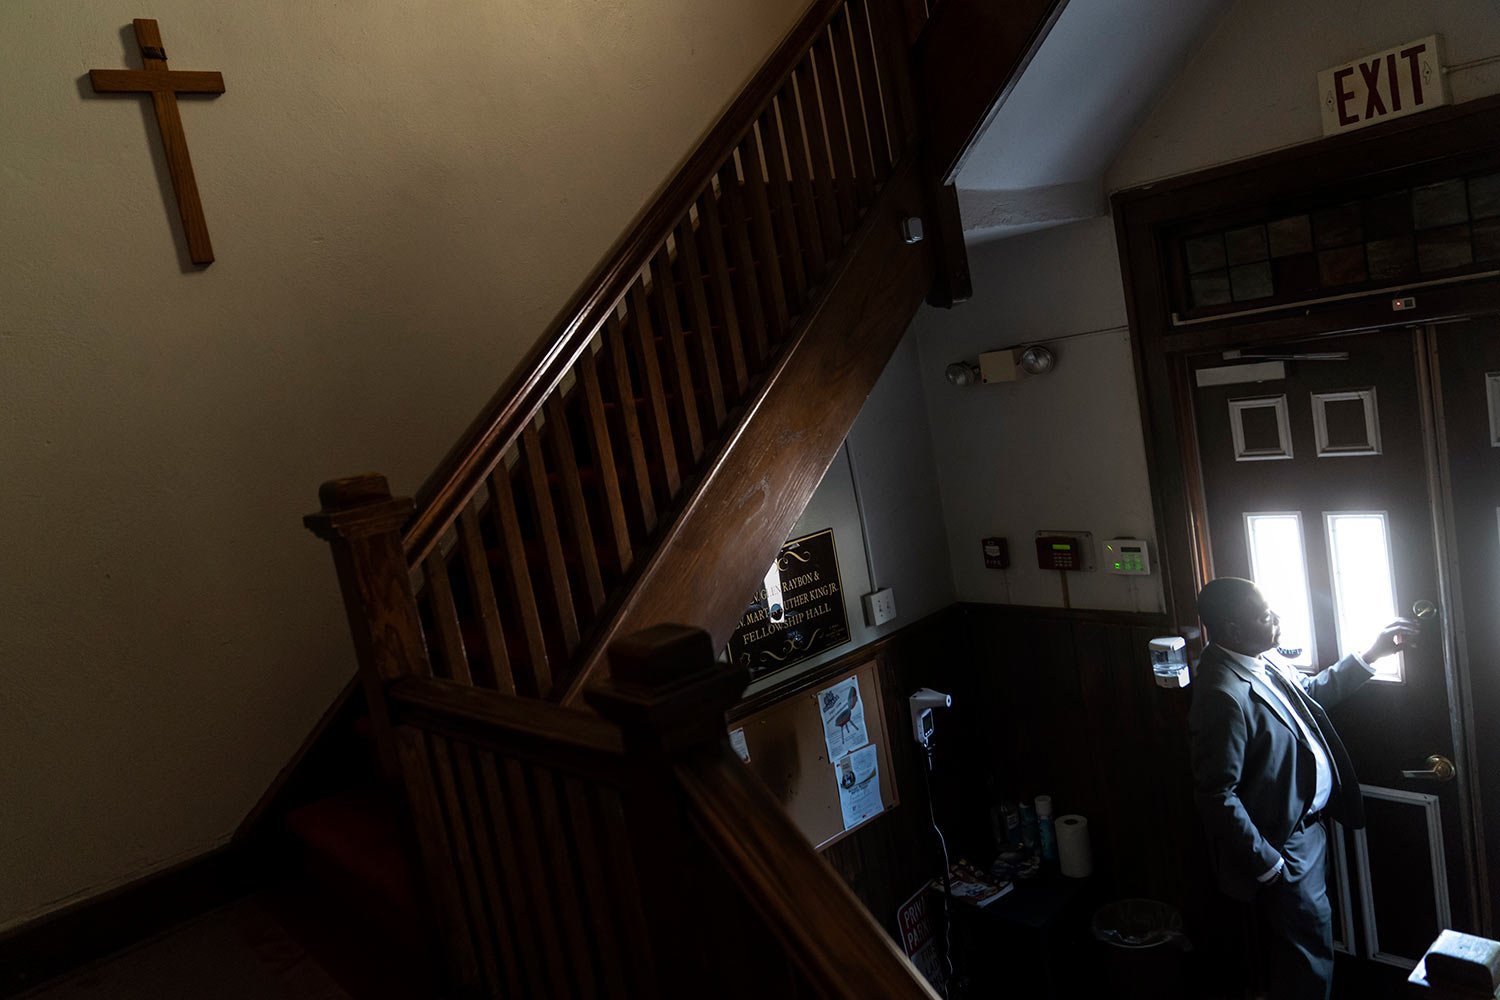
(1319, 484)
(1466, 364)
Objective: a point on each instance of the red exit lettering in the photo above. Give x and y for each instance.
(1383, 85)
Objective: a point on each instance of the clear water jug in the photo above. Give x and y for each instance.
(1169, 661)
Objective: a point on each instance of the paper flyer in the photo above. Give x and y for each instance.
(843, 718)
(737, 740)
(859, 785)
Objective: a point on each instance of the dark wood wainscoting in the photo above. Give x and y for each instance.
(1062, 703)
(1046, 701)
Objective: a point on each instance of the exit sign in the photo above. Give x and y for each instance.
(1385, 85)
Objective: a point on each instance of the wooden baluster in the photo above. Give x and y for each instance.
(668, 696)
(482, 591)
(822, 168)
(617, 355)
(607, 918)
(731, 201)
(841, 53)
(602, 451)
(449, 638)
(679, 373)
(871, 87)
(623, 886)
(709, 207)
(639, 320)
(807, 206)
(835, 132)
(555, 569)
(481, 935)
(560, 437)
(523, 595)
(893, 57)
(562, 867)
(794, 268)
(516, 878)
(440, 880)
(488, 845)
(526, 829)
(762, 234)
(697, 300)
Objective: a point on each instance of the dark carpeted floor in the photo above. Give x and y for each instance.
(239, 952)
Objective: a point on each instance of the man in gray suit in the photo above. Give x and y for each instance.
(1267, 765)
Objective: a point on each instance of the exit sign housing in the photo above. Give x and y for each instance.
(1383, 86)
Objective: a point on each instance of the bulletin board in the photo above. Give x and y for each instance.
(788, 751)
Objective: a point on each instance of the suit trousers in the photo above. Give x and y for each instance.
(1301, 919)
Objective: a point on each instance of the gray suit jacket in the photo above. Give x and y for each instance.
(1254, 775)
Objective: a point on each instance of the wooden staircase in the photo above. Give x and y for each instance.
(643, 465)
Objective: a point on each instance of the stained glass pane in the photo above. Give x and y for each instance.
(1204, 253)
(1211, 289)
(1290, 235)
(1247, 245)
(1444, 249)
(1444, 204)
(1251, 281)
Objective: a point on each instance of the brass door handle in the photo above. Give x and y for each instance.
(1439, 768)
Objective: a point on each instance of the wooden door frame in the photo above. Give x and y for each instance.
(1456, 139)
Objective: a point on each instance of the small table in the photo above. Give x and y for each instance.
(1028, 942)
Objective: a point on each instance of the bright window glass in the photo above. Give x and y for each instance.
(1278, 564)
(1364, 583)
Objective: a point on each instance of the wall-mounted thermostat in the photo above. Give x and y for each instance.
(1127, 556)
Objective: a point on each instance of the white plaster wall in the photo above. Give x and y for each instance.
(1066, 451)
(1061, 451)
(1252, 86)
(400, 198)
(897, 486)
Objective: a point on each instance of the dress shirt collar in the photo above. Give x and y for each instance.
(1254, 664)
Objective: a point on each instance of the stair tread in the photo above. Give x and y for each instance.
(355, 831)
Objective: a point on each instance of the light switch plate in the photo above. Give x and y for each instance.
(880, 607)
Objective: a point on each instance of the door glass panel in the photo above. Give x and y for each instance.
(1364, 583)
(1278, 564)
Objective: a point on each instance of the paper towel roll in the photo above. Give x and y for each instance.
(1073, 854)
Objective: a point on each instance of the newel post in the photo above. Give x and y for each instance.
(668, 695)
(362, 522)
(666, 691)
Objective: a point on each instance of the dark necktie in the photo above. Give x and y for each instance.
(1349, 809)
(1294, 697)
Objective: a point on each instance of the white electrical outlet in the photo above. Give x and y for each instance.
(880, 607)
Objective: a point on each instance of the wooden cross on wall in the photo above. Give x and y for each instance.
(164, 85)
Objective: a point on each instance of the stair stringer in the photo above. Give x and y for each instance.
(707, 564)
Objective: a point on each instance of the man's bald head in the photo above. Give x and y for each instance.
(1234, 610)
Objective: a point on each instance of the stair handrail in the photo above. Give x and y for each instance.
(463, 469)
(668, 693)
(791, 886)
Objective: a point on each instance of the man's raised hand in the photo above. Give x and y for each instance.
(1392, 638)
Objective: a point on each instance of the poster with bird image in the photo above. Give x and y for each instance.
(843, 718)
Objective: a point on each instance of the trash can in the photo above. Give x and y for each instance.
(1143, 944)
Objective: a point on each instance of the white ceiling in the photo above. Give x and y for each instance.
(1042, 160)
